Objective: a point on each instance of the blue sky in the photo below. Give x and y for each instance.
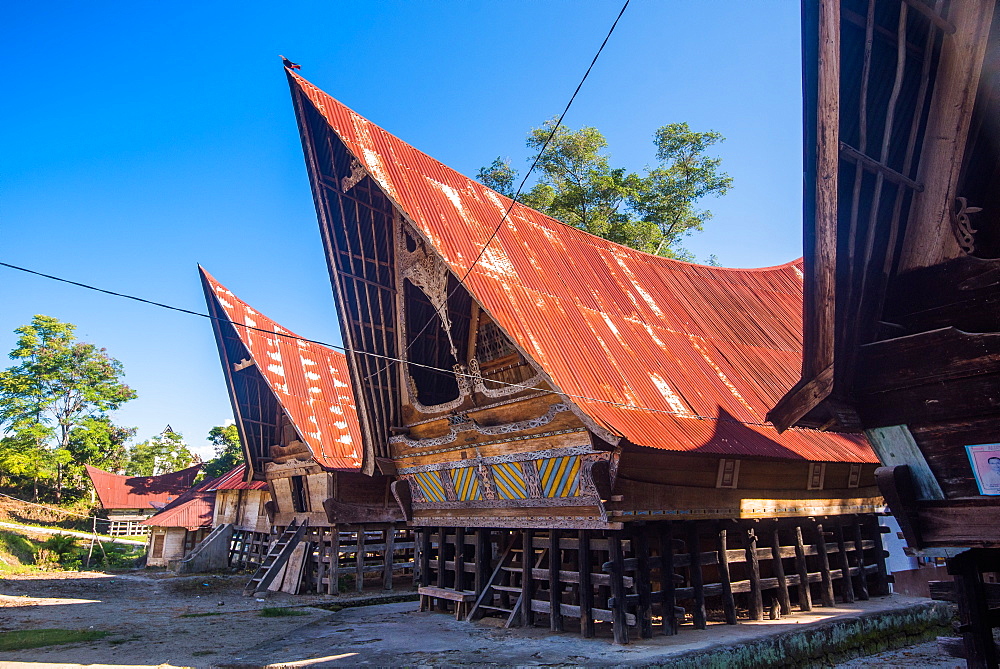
(138, 139)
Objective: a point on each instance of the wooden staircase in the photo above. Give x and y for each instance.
(277, 557)
(507, 583)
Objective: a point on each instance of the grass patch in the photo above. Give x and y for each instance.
(22, 639)
(280, 612)
(200, 615)
(17, 552)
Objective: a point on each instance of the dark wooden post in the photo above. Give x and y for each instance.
(826, 582)
(728, 603)
(320, 558)
(784, 602)
(859, 552)
(755, 604)
(484, 560)
(555, 587)
(667, 579)
(846, 586)
(390, 542)
(974, 616)
(619, 623)
(644, 612)
(459, 559)
(586, 587)
(880, 554)
(441, 566)
(359, 579)
(697, 580)
(805, 596)
(425, 556)
(527, 580)
(333, 587)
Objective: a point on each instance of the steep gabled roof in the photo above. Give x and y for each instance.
(692, 348)
(194, 509)
(140, 492)
(234, 479)
(309, 381)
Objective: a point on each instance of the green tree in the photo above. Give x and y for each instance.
(652, 211)
(166, 452)
(58, 387)
(228, 450)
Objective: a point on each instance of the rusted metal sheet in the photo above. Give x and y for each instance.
(191, 510)
(310, 381)
(140, 492)
(667, 354)
(234, 480)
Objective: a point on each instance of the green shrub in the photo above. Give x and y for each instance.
(21, 639)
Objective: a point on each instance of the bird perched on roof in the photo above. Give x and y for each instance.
(289, 64)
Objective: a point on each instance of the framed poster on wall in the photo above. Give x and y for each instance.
(985, 461)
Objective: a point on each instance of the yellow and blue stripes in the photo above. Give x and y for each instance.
(560, 477)
(509, 480)
(466, 484)
(430, 486)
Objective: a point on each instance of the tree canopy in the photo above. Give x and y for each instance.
(652, 211)
(160, 454)
(228, 450)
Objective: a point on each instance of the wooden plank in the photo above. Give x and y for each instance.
(755, 605)
(697, 581)
(292, 581)
(527, 578)
(805, 597)
(974, 613)
(669, 611)
(585, 585)
(483, 560)
(387, 556)
(619, 625)
(777, 566)
(441, 550)
(859, 554)
(728, 602)
(896, 446)
(570, 611)
(425, 556)
(826, 591)
(555, 587)
(644, 611)
(846, 585)
(359, 574)
(459, 578)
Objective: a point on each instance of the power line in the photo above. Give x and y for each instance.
(375, 355)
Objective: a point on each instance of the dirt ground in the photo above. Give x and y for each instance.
(156, 618)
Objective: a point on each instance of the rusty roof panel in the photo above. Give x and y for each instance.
(140, 492)
(234, 480)
(702, 352)
(311, 381)
(194, 509)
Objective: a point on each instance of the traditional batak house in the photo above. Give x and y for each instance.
(129, 500)
(298, 425)
(241, 503)
(577, 428)
(902, 270)
(181, 525)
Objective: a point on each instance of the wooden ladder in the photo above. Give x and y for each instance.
(276, 558)
(500, 586)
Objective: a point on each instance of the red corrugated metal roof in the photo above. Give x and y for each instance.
(708, 349)
(310, 381)
(233, 480)
(140, 492)
(194, 509)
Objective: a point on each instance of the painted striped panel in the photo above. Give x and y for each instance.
(466, 484)
(431, 486)
(560, 477)
(510, 480)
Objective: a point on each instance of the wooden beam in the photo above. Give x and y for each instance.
(585, 586)
(894, 445)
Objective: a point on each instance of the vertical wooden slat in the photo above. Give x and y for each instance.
(586, 588)
(441, 566)
(728, 603)
(697, 580)
(618, 621)
(390, 543)
(484, 560)
(425, 556)
(459, 581)
(333, 576)
(756, 601)
(359, 578)
(667, 579)
(805, 596)
(846, 586)
(859, 553)
(826, 589)
(321, 548)
(784, 602)
(882, 587)
(555, 587)
(527, 582)
(644, 612)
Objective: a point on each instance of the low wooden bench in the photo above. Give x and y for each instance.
(463, 599)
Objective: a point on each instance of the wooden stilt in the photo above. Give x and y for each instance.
(321, 560)
(333, 576)
(459, 581)
(755, 603)
(618, 619)
(859, 553)
(359, 576)
(484, 560)
(667, 579)
(643, 586)
(555, 587)
(882, 587)
(586, 588)
(784, 602)
(805, 596)
(728, 602)
(974, 614)
(425, 556)
(826, 582)
(846, 586)
(390, 542)
(527, 582)
(442, 566)
(697, 580)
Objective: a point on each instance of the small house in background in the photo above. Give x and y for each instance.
(299, 428)
(240, 502)
(181, 525)
(130, 500)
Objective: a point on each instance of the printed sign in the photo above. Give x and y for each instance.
(985, 460)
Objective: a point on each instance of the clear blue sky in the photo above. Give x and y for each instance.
(138, 139)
